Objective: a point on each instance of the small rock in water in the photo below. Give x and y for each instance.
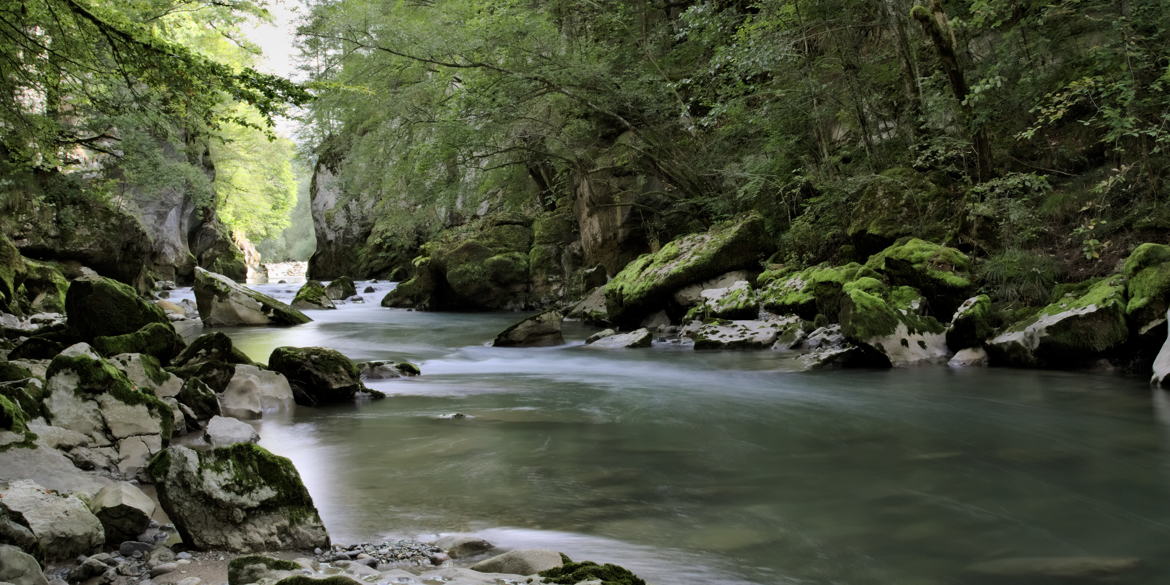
(368, 290)
(455, 416)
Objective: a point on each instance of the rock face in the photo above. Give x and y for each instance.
(50, 525)
(317, 375)
(343, 224)
(122, 425)
(312, 296)
(971, 324)
(123, 510)
(972, 357)
(520, 562)
(252, 392)
(1085, 324)
(637, 338)
(223, 303)
(239, 498)
(538, 331)
(19, 568)
(222, 432)
(102, 307)
(646, 282)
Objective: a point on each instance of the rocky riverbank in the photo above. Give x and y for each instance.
(126, 455)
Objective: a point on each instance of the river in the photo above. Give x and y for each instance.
(724, 467)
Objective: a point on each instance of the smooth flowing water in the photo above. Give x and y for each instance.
(724, 467)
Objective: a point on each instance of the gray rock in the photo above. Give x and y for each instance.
(135, 548)
(53, 525)
(123, 510)
(590, 309)
(252, 392)
(223, 431)
(637, 338)
(972, 357)
(599, 335)
(536, 331)
(692, 295)
(223, 303)
(520, 562)
(239, 498)
(750, 334)
(1161, 375)
(19, 568)
(458, 547)
(146, 373)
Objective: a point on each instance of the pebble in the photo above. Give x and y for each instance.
(135, 549)
(184, 556)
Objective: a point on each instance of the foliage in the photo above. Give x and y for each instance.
(1020, 276)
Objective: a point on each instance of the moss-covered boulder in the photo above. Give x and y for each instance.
(649, 281)
(156, 339)
(318, 375)
(1147, 273)
(122, 424)
(940, 273)
(103, 307)
(43, 287)
(199, 398)
(971, 324)
(572, 573)
(737, 301)
(1087, 323)
(816, 290)
(312, 296)
(537, 331)
(251, 568)
(210, 358)
(341, 288)
(224, 303)
(482, 265)
(891, 321)
(239, 498)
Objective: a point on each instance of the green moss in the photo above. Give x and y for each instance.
(686, 260)
(1087, 321)
(554, 228)
(43, 287)
(243, 570)
(571, 573)
(739, 303)
(1101, 293)
(408, 369)
(157, 340)
(972, 323)
(212, 347)
(251, 467)
(12, 416)
(1148, 285)
(196, 395)
(317, 375)
(870, 310)
(923, 265)
(341, 288)
(312, 296)
(10, 372)
(814, 290)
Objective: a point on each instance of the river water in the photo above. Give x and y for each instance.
(725, 467)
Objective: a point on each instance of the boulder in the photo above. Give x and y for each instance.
(199, 400)
(222, 432)
(1147, 273)
(341, 288)
(971, 324)
(459, 547)
(827, 347)
(941, 273)
(43, 288)
(88, 395)
(253, 392)
(691, 295)
(224, 303)
(123, 510)
(157, 340)
(746, 334)
(318, 376)
(19, 568)
(537, 331)
(738, 301)
(212, 358)
(521, 562)
(1086, 324)
(1161, 375)
(312, 296)
(102, 307)
(50, 525)
(636, 338)
(972, 357)
(590, 309)
(380, 370)
(890, 321)
(599, 335)
(36, 348)
(238, 498)
(644, 284)
(816, 290)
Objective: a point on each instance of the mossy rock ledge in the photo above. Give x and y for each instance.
(941, 273)
(239, 498)
(224, 303)
(644, 284)
(891, 321)
(1087, 324)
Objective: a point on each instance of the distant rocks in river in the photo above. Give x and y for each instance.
(536, 331)
(224, 303)
(384, 370)
(341, 288)
(313, 296)
(613, 340)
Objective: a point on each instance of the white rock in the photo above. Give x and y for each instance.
(223, 431)
(692, 295)
(148, 376)
(253, 392)
(19, 568)
(637, 338)
(61, 526)
(520, 562)
(972, 357)
(1161, 376)
(124, 511)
